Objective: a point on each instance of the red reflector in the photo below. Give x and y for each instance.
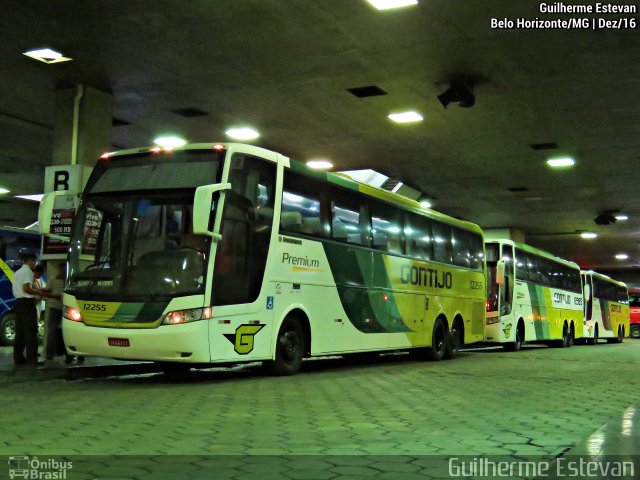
(119, 342)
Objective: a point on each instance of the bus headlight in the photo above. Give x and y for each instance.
(73, 314)
(185, 316)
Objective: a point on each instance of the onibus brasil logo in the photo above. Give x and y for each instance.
(33, 468)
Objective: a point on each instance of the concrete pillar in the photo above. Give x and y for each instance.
(82, 125)
(81, 133)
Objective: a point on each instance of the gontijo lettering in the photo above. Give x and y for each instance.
(303, 261)
(425, 277)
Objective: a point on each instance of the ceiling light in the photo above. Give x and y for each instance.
(406, 117)
(622, 218)
(35, 197)
(388, 4)
(425, 203)
(46, 55)
(561, 162)
(397, 187)
(243, 133)
(588, 235)
(319, 164)
(622, 256)
(3, 190)
(170, 142)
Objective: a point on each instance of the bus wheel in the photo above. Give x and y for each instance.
(572, 335)
(594, 340)
(438, 342)
(635, 330)
(456, 340)
(564, 343)
(620, 334)
(289, 349)
(8, 329)
(517, 345)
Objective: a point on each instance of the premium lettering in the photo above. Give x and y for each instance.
(302, 261)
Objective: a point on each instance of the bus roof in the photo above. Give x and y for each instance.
(604, 277)
(328, 177)
(381, 194)
(535, 251)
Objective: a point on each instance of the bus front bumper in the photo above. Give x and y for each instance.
(187, 343)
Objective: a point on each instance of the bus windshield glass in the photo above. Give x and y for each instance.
(132, 239)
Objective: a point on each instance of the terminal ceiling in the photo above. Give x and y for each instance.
(284, 67)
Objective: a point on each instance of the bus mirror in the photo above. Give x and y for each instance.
(58, 200)
(500, 272)
(202, 207)
(587, 292)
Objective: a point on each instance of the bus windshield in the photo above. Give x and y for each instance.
(132, 236)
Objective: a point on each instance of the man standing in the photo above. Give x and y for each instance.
(25, 345)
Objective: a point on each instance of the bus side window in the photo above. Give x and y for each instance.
(442, 251)
(418, 237)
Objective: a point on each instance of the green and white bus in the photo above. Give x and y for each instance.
(606, 308)
(533, 296)
(231, 253)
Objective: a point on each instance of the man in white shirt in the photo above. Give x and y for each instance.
(25, 344)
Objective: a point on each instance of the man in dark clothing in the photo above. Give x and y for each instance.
(25, 344)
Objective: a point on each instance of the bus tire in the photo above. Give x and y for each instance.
(635, 330)
(438, 346)
(572, 335)
(517, 345)
(566, 337)
(456, 339)
(594, 340)
(620, 334)
(8, 329)
(290, 349)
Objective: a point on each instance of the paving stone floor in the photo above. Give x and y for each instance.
(344, 420)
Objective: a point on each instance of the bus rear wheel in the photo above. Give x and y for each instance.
(594, 340)
(456, 340)
(289, 349)
(438, 342)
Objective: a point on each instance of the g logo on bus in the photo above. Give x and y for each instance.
(242, 340)
(507, 330)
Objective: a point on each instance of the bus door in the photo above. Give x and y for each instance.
(587, 289)
(240, 260)
(506, 289)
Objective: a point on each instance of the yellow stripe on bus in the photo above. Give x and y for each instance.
(7, 271)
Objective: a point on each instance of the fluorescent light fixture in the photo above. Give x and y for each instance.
(397, 187)
(561, 162)
(588, 235)
(35, 197)
(31, 226)
(319, 164)
(622, 218)
(410, 116)
(170, 142)
(622, 256)
(242, 133)
(3, 190)
(425, 203)
(47, 55)
(388, 4)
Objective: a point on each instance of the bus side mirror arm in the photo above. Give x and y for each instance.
(587, 292)
(202, 204)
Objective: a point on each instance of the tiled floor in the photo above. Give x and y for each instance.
(385, 420)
